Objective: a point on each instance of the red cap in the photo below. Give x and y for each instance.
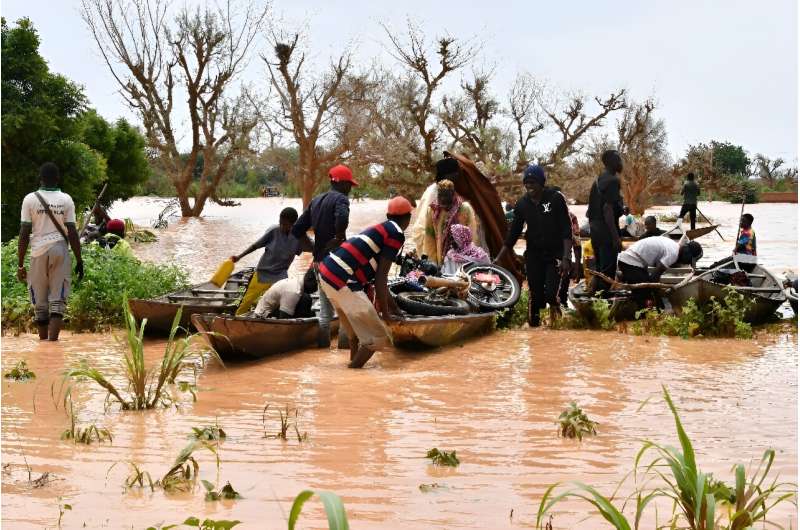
(341, 173)
(399, 206)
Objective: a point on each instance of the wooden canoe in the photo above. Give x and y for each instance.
(622, 307)
(246, 337)
(201, 298)
(765, 294)
(427, 332)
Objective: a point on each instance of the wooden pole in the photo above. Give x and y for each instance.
(709, 222)
(96, 203)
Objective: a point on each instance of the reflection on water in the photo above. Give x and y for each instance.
(493, 400)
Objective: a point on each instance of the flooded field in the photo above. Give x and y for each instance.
(493, 400)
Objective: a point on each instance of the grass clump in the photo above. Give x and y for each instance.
(574, 423)
(205, 524)
(226, 492)
(96, 303)
(139, 235)
(515, 316)
(181, 477)
(699, 501)
(443, 458)
(716, 319)
(288, 419)
(20, 372)
(146, 388)
(84, 435)
(209, 433)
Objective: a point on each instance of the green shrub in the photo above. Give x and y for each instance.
(515, 316)
(716, 319)
(95, 302)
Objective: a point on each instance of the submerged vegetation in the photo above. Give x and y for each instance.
(288, 419)
(205, 524)
(443, 458)
(225, 493)
(84, 435)
(182, 476)
(20, 372)
(574, 423)
(208, 433)
(699, 501)
(96, 302)
(146, 388)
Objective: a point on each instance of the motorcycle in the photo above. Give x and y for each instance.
(422, 289)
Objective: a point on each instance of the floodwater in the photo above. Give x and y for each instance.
(494, 400)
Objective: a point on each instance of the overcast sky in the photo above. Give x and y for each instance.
(724, 70)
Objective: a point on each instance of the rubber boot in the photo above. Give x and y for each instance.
(42, 327)
(324, 337)
(54, 327)
(344, 341)
(361, 357)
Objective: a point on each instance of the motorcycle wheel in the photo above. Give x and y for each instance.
(499, 296)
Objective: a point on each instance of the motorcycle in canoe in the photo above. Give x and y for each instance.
(201, 298)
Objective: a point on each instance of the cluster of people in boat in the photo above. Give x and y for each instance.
(459, 221)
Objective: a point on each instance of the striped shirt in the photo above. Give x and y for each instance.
(354, 263)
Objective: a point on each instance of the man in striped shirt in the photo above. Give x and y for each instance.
(357, 263)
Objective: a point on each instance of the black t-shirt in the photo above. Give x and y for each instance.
(605, 190)
(548, 223)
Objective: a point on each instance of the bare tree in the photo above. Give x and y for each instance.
(427, 68)
(155, 58)
(643, 146)
(469, 119)
(572, 123)
(770, 172)
(525, 114)
(326, 116)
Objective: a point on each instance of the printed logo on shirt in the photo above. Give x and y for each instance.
(546, 207)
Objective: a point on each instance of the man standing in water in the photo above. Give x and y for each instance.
(358, 262)
(48, 224)
(328, 215)
(548, 238)
(605, 207)
(690, 192)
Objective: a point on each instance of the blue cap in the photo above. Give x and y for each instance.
(534, 173)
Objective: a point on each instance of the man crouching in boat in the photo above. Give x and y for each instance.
(659, 252)
(358, 262)
(288, 298)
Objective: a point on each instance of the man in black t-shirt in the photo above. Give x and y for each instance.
(548, 238)
(605, 207)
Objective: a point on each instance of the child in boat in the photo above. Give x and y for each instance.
(746, 244)
(288, 298)
(463, 250)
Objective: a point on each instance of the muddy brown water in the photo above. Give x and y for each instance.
(494, 400)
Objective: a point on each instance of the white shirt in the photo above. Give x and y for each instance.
(283, 295)
(651, 251)
(44, 233)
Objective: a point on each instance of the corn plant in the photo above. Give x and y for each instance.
(334, 509)
(146, 387)
(700, 502)
(20, 372)
(443, 458)
(574, 423)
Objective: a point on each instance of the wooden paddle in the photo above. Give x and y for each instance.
(96, 204)
(709, 222)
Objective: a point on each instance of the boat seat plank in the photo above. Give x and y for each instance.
(215, 291)
(175, 297)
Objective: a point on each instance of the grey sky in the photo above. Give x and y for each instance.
(724, 70)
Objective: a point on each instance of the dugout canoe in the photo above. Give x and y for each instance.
(765, 294)
(247, 337)
(427, 332)
(201, 298)
(621, 305)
